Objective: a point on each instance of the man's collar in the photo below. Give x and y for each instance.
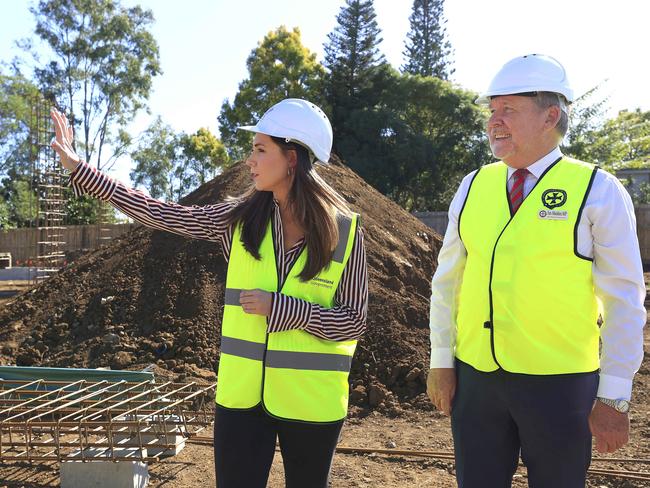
(539, 166)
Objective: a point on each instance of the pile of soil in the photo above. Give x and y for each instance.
(153, 297)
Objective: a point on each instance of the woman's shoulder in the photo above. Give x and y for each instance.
(359, 225)
(346, 217)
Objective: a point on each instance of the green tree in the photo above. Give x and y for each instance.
(23, 204)
(19, 100)
(352, 48)
(84, 210)
(621, 142)
(279, 67)
(101, 68)
(427, 50)
(155, 159)
(170, 165)
(642, 195)
(20, 202)
(624, 141)
(586, 118)
(355, 67)
(203, 155)
(412, 137)
(419, 141)
(5, 222)
(17, 97)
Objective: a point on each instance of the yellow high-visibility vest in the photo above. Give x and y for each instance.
(294, 374)
(526, 302)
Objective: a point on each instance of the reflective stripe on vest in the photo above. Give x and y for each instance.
(526, 302)
(286, 359)
(295, 375)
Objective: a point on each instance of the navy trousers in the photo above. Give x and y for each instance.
(244, 446)
(498, 415)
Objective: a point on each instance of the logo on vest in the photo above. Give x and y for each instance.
(321, 282)
(553, 198)
(553, 214)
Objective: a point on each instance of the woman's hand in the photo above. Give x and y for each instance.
(62, 143)
(256, 302)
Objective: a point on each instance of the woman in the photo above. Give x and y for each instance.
(295, 301)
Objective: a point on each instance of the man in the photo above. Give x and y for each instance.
(538, 246)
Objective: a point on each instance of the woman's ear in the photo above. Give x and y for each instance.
(292, 158)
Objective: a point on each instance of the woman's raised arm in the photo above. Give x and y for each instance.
(199, 222)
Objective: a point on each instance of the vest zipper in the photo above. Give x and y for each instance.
(490, 324)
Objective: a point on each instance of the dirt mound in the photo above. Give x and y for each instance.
(152, 297)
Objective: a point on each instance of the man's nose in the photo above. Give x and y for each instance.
(494, 120)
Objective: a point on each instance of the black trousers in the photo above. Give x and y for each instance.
(497, 415)
(244, 446)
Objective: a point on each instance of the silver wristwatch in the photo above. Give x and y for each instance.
(620, 405)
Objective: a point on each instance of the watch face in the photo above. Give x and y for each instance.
(622, 406)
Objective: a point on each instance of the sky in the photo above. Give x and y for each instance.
(204, 45)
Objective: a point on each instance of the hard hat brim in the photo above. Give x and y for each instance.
(484, 99)
(250, 128)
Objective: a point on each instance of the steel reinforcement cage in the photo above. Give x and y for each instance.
(99, 420)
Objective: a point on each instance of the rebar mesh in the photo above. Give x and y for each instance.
(48, 176)
(99, 421)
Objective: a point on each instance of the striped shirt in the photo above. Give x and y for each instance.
(345, 321)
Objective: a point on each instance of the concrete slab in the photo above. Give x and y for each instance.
(105, 474)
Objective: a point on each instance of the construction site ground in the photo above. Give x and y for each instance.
(412, 430)
(193, 467)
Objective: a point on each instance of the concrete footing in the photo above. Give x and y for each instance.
(168, 433)
(105, 474)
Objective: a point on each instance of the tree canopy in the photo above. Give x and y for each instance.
(103, 60)
(427, 51)
(170, 164)
(279, 67)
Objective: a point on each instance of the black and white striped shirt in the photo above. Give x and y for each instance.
(345, 321)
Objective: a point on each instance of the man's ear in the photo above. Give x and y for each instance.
(553, 116)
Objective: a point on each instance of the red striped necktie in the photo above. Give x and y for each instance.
(517, 190)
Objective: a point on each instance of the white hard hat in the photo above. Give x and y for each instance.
(299, 121)
(530, 73)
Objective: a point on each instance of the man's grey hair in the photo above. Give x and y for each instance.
(548, 99)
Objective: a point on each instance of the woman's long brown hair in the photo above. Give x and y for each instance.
(314, 205)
